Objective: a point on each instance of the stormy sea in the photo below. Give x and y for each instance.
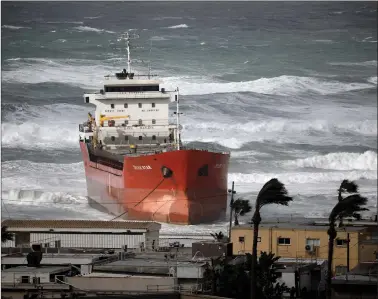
(289, 88)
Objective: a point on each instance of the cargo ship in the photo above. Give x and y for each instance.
(136, 165)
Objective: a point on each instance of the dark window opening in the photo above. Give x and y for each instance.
(24, 279)
(126, 105)
(341, 242)
(283, 241)
(126, 138)
(153, 105)
(241, 239)
(112, 106)
(154, 121)
(140, 122)
(153, 137)
(204, 170)
(87, 99)
(140, 138)
(129, 88)
(126, 122)
(140, 105)
(112, 138)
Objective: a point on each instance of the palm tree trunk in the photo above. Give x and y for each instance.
(332, 236)
(236, 222)
(256, 222)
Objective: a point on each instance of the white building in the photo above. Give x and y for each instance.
(83, 233)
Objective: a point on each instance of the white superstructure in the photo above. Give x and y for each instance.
(131, 111)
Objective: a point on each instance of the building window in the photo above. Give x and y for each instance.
(25, 279)
(126, 138)
(36, 280)
(126, 105)
(112, 138)
(153, 105)
(313, 242)
(153, 137)
(241, 239)
(140, 122)
(140, 105)
(341, 242)
(112, 106)
(340, 270)
(126, 122)
(154, 121)
(140, 138)
(283, 241)
(258, 239)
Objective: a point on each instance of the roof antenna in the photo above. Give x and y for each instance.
(149, 60)
(127, 37)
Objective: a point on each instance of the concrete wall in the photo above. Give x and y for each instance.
(190, 272)
(115, 283)
(296, 249)
(14, 277)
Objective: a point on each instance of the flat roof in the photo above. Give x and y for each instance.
(303, 224)
(30, 223)
(42, 269)
(109, 274)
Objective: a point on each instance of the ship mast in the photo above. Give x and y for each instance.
(127, 37)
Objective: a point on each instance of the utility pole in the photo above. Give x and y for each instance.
(232, 191)
(348, 243)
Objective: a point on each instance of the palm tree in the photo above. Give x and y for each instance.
(218, 236)
(5, 234)
(240, 207)
(273, 192)
(350, 206)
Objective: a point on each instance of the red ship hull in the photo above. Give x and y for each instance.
(141, 192)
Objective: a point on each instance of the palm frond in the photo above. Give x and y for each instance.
(273, 192)
(241, 206)
(348, 186)
(349, 207)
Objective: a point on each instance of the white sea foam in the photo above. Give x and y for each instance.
(91, 29)
(14, 27)
(339, 161)
(363, 63)
(301, 177)
(372, 80)
(282, 85)
(34, 127)
(178, 26)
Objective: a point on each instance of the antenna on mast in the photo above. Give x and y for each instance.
(127, 37)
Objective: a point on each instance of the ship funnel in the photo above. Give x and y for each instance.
(167, 173)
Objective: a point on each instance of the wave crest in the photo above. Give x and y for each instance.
(340, 161)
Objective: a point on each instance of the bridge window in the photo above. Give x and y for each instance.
(153, 137)
(140, 105)
(140, 122)
(126, 105)
(140, 138)
(154, 121)
(153, 105)
(112, 106)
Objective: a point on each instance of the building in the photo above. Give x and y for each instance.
(361, 282)
(19, 281)
(308, 239)
(83, 233)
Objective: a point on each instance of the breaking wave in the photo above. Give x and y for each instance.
(339, 161)
(364, 63)
(91, 29)
(282, 85)
(373, 80)
(178, 26)
(301, 177)
(14, 27)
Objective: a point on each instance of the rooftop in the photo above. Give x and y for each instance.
(77, 224)
(42, 269)
(320, 224)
